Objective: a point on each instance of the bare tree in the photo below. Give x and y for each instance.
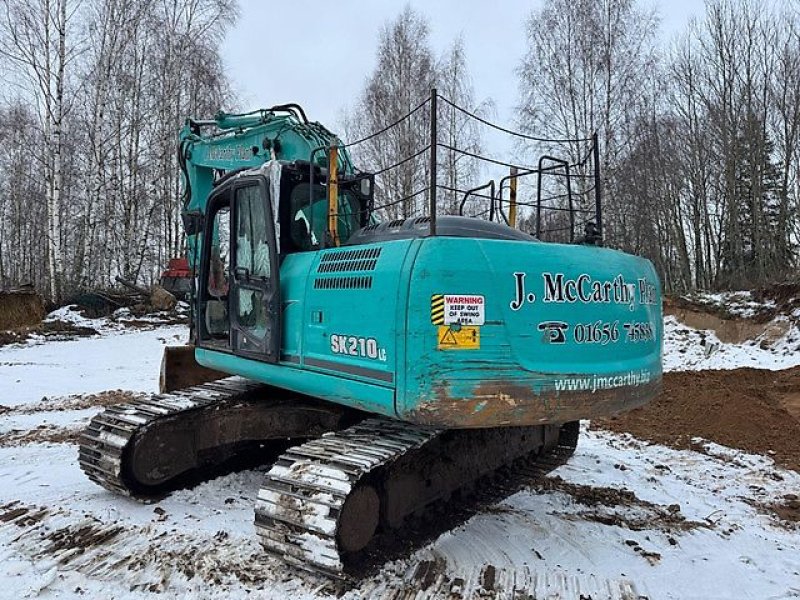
(111, 82)
(35, 44)
(401, 81)
(23, 246)
(586, 70)
(458, 171)
(700, 145)
(737, 117)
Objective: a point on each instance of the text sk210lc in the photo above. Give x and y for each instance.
(394, 363)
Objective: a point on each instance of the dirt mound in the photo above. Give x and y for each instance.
(744, 308)
(788, 509)
(20, 308)
(83, 401)
(644, 515)
(94, 305)
(732, 323)
(43, 434)
(55, 330)
(786, 296)
(750, 409)
(728, 329)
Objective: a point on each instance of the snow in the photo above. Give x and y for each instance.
(128, 360)
(201, 543)
(117, 321)
(737, 303)
(543, 539)
(70, 314)
(57, 418)
(688, 349)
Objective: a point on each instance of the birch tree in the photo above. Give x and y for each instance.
(402, 79)
(35, 43)
(459, 172)
(699, 141)
(110, 83)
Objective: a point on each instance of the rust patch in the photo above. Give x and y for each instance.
(502, 402)
(180, 370)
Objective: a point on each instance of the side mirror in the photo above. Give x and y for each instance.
(193, 222)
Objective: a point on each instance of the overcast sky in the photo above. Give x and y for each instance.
(319, 53)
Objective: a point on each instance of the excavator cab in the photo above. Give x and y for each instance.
(244, 238)
(238, 297)
(303, 206)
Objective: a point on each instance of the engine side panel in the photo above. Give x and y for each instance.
(522, 333)
(351, 301)
(342, 338)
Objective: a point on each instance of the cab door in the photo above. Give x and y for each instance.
(238, 303)
(255, 283)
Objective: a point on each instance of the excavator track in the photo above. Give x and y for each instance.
(143, 448)
(323, 501)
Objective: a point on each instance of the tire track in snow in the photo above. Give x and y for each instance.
(149, 558)
(432, 579)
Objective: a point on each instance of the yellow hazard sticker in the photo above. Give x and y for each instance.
(465, 338)
(437, 309)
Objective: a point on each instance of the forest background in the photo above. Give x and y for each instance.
(699, 138)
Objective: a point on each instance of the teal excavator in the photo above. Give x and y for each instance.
(395, 363)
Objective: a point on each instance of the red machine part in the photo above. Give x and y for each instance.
(177, 267)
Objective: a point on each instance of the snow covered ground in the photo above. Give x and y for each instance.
(117, 358)
(623, 519)
(739, 303)
(691, 349)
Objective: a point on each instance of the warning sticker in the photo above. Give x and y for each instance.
(466, 338)
(458, 309)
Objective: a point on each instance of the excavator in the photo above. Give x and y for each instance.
(396, 363)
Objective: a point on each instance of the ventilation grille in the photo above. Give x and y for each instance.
(343, 283)
(343, 261)
(354, 254)
(350, 265)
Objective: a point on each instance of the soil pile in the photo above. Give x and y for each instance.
(760, 305)
(20, 308)
(751, 409)
(786, 296)
(55, 330)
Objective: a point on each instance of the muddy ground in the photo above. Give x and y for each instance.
(751, 409)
